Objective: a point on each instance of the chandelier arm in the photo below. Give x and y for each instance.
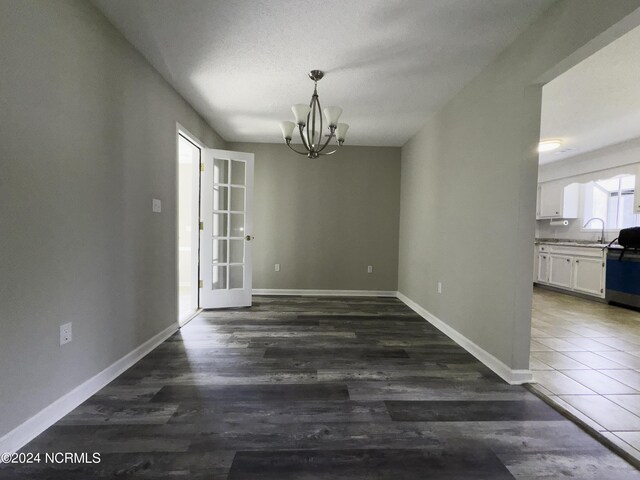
(314, 102)
(289, 145)
(307, 144)
(329, 153)
(328, 139)
(320, 129)
(304, 142)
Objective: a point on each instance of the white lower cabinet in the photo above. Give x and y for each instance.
(578, 269)
(560, 271)
(543, 268)
(588, 275)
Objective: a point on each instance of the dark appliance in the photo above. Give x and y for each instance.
(623, 277)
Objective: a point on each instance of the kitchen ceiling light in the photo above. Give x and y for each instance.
(549, 145)
(309, 121)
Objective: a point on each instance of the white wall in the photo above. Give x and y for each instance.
(87, 139)
(469, 183)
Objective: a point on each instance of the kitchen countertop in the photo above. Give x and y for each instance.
(574, 243)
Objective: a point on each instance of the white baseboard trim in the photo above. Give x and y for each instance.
(27, 431)
(188, 318)
(511, 376)
(325, 293)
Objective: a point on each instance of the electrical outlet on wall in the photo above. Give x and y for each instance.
(277, 268)
(370, 269)
(66, 334)
(439, 287)
(156, 205)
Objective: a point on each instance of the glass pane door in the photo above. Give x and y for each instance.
(229, 199)
(226, 242)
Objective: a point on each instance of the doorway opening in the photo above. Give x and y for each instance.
(585, 340)
(189, 158)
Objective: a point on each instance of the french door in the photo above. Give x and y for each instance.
(226, 194)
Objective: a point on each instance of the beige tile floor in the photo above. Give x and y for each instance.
(585, 357)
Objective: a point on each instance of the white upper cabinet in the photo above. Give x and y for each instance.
(556, 200)
(550, 200)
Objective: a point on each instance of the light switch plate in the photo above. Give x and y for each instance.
(277, 268)
(156, 206)
(439, 287)
(370, 269)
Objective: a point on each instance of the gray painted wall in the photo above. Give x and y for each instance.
(469, 183)
(87, 139)
(325, 220)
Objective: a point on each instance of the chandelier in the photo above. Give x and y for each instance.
(309, 123)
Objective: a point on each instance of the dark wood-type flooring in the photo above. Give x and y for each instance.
(317, 388)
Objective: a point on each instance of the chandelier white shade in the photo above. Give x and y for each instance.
(341, 131)
(287, 129)
(309, 120)
(332, 115)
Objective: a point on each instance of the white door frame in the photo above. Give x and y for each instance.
(182, 131)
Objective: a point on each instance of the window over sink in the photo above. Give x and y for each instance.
(612, 200)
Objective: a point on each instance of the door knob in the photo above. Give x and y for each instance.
(248, 238)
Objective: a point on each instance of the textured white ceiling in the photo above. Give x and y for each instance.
(596, 103)
(389, 64)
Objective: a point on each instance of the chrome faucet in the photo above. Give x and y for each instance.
(601, 239)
